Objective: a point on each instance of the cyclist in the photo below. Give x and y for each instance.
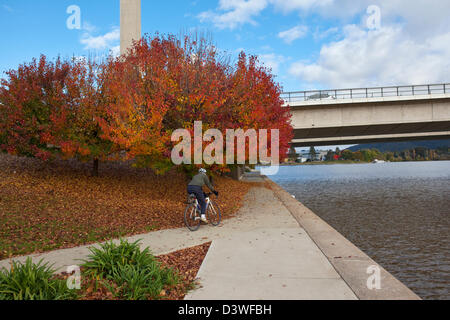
(195, 187)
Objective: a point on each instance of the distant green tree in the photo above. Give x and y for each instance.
(312, 153)
(421, 152)
(389, 156)
(357, 156)
(347, 155)
(330, 155)
(406, 155)
(292, 155)
(366, 155)
(369, 155)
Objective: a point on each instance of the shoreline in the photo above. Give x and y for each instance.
(323, 163)
(351, 263)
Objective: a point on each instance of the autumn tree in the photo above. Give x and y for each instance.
(29, 98)
(50, 110)
(255, 102)
(127, 108)
(81, 135)
(165, 83)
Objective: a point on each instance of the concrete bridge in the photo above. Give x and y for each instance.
(352, 116)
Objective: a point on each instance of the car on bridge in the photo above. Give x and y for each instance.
(320, 96)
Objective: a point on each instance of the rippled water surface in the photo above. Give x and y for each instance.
(398, 213)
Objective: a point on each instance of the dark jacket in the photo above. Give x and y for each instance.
(200, 180)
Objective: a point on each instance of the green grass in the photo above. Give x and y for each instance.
(31, 281)
(128, 272)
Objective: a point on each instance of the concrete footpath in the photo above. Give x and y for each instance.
(268, 264)
(275, 248)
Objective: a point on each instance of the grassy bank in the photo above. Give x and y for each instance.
(324, 162)
(47, 206)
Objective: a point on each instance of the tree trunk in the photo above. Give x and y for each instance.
(95, 168)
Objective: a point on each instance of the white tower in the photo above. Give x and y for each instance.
(130, 23)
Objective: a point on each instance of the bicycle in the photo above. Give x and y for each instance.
(193, 212)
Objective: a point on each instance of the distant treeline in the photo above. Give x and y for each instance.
(369, 155)
(403, 145)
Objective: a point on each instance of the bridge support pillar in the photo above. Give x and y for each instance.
(130, 23)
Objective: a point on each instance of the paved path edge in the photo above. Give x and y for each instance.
(352, 264)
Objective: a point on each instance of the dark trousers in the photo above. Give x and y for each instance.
(199, 194)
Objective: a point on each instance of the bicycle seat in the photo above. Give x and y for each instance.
(191, 198)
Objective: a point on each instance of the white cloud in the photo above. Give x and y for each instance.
(319, 35)
(115, 51)
(287, 6)
(292, 34)
(272, 61)
(412, 45)
(382, 57)
(106, 41)
(233, 13)
(88, 27)
(419, 16)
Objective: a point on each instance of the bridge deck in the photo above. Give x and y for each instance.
(297, 97)
(328, 121)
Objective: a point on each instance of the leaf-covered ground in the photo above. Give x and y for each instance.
(47, 206)
(186, 263)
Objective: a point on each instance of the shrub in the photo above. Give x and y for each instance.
(31, 281)
(129, 272)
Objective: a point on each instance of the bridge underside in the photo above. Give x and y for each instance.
(371, 133)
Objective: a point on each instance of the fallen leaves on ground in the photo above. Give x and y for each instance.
(186, 262)
(47, 206)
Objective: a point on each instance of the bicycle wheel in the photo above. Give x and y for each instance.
(192, 217)
(213, 213)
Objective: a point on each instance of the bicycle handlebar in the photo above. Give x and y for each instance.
(208, 194)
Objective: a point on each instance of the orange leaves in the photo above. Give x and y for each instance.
(47, 109)
(132, 104)
(258, 97)
(45, 207)
(187, 263)
(134, 88)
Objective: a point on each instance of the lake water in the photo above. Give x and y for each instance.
(397, 213)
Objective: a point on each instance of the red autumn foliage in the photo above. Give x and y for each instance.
(28, 100)
(49, 110)
(128, 107)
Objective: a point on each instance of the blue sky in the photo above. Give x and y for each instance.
(309, 44)
(30, 28)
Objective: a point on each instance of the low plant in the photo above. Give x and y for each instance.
(128, 272)
(30, 281)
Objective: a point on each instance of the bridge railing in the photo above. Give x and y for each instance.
(358, 93)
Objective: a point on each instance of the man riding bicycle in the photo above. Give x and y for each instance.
(195, 187)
